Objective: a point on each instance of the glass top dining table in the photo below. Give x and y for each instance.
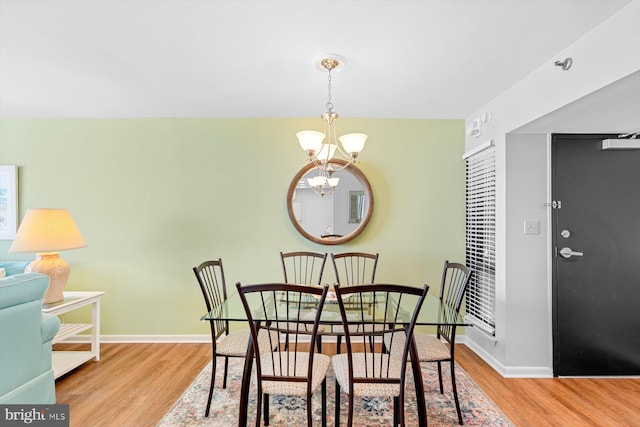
(432, 313)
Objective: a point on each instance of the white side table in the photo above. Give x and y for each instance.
(65, 361)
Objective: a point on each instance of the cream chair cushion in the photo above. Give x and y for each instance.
(383, 365)
(293, 364)
(429, 347)
(235, 344)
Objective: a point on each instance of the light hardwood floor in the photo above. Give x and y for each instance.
(135, 384)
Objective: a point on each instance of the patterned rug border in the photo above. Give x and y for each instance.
(477, 408)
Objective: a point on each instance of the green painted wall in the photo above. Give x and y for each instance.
(155, 197)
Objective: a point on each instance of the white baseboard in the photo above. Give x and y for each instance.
(509, 371)
(144, 339)
(484, 355)
(528, 372)
(204, 338)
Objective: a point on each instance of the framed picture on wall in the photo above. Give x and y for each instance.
(8, 202)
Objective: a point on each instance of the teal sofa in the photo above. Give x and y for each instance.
(26, 334)
(13, 267)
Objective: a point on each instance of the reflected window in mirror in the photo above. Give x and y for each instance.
(357, 203)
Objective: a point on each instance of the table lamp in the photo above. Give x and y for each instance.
(47, 231)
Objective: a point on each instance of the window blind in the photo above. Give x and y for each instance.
(481, 238)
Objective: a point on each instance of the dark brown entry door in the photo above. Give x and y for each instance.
(596, 238)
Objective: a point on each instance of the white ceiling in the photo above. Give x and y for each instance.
(199, 58)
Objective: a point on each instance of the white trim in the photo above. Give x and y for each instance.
(486, 356)
(550, 252)
(509, 371)
(528, 372)
(479, 148)
(140, 339)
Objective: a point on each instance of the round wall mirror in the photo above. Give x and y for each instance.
(330, 216)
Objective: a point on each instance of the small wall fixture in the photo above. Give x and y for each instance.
(566, 64)
(475, 128)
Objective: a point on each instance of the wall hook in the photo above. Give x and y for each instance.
(566, 64)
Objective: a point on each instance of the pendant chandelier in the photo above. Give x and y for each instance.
(321, 147)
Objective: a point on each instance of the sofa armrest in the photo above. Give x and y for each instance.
(23, 288)
(13, 267)
(50, 327)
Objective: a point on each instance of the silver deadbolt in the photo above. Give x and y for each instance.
(568, 253)
(565, 233)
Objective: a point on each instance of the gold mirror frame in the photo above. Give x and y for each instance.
(357, 173)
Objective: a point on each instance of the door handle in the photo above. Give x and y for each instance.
(568, 253)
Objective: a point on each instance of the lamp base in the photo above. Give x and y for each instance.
(56, 268)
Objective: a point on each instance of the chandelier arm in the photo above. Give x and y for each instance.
(315, 161)
(345, 165)
(349, 157)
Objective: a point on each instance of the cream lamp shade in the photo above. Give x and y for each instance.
(45, 232)
(310, 141)
(353, 143)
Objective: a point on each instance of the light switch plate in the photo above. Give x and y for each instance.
(531, 226)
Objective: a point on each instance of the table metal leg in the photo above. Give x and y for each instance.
(417, 377)
(246, 383)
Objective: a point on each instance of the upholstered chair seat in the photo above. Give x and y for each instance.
(296, 364)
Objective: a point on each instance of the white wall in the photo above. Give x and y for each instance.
(605, 55)
(316, 212)
(528, 293)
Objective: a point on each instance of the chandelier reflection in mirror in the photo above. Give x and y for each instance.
(321, 147)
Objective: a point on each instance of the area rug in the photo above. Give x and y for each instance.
(477, 408)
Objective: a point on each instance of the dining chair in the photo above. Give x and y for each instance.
(298, 370)
(384, 310)
(352, 268)
(304, 268)
(454, 284)
(210, 276)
